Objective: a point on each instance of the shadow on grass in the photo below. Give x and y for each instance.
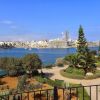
(48, 75)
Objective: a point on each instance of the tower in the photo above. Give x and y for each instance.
(66, 36)
(66, 39)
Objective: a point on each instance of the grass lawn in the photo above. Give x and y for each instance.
(98, 64)
(78, 74)
(73, 73)
(59, 83)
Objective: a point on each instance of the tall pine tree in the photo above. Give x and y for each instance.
(87, 61)
(82, 43)
(99, 49)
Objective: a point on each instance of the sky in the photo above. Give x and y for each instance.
(46, 19)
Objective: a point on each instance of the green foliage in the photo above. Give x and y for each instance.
(32, 86)
(84, 58)
(98, 58)
(11, 64)
(59, 62)
(49, 66)
(82, 43)
(88, 62)
(35, 73)
(99, 49)
(98, 63)
(72, 59)
(60, 65)
(85, 62)
(94, 52)
(31, 61)
(96, 75)
(80, 91)
(58, 83)
(12, 73)
(18, 66)
(86, 96)
(75, 73)
(21, 83)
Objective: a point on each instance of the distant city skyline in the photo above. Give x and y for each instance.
(27, 20)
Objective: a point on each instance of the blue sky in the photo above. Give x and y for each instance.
(46, 19)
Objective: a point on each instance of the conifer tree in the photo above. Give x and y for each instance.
(82, 43)
(87, 60)
(99, 49)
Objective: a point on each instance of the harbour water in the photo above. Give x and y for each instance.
(47, 55)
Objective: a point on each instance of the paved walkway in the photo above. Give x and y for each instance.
(55, 74)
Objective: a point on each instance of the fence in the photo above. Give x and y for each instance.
(91, 92)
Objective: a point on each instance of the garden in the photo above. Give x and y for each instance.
(84, 63)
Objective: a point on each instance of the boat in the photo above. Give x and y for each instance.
(25, 48)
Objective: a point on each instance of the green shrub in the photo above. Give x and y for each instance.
(59, 62)
(21, 82)
(60, 65)
(35, 73)
(69, 70)
(40, 79)
(75, 71)
(59, 83)
(48, 66)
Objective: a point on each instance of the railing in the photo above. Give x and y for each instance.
(91, 92)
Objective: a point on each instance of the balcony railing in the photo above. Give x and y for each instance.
(91, 92)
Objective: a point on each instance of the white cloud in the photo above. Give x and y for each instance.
(8, 22)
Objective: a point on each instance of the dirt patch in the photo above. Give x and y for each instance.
(10, 81)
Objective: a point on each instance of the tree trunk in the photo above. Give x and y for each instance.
(85, 70)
